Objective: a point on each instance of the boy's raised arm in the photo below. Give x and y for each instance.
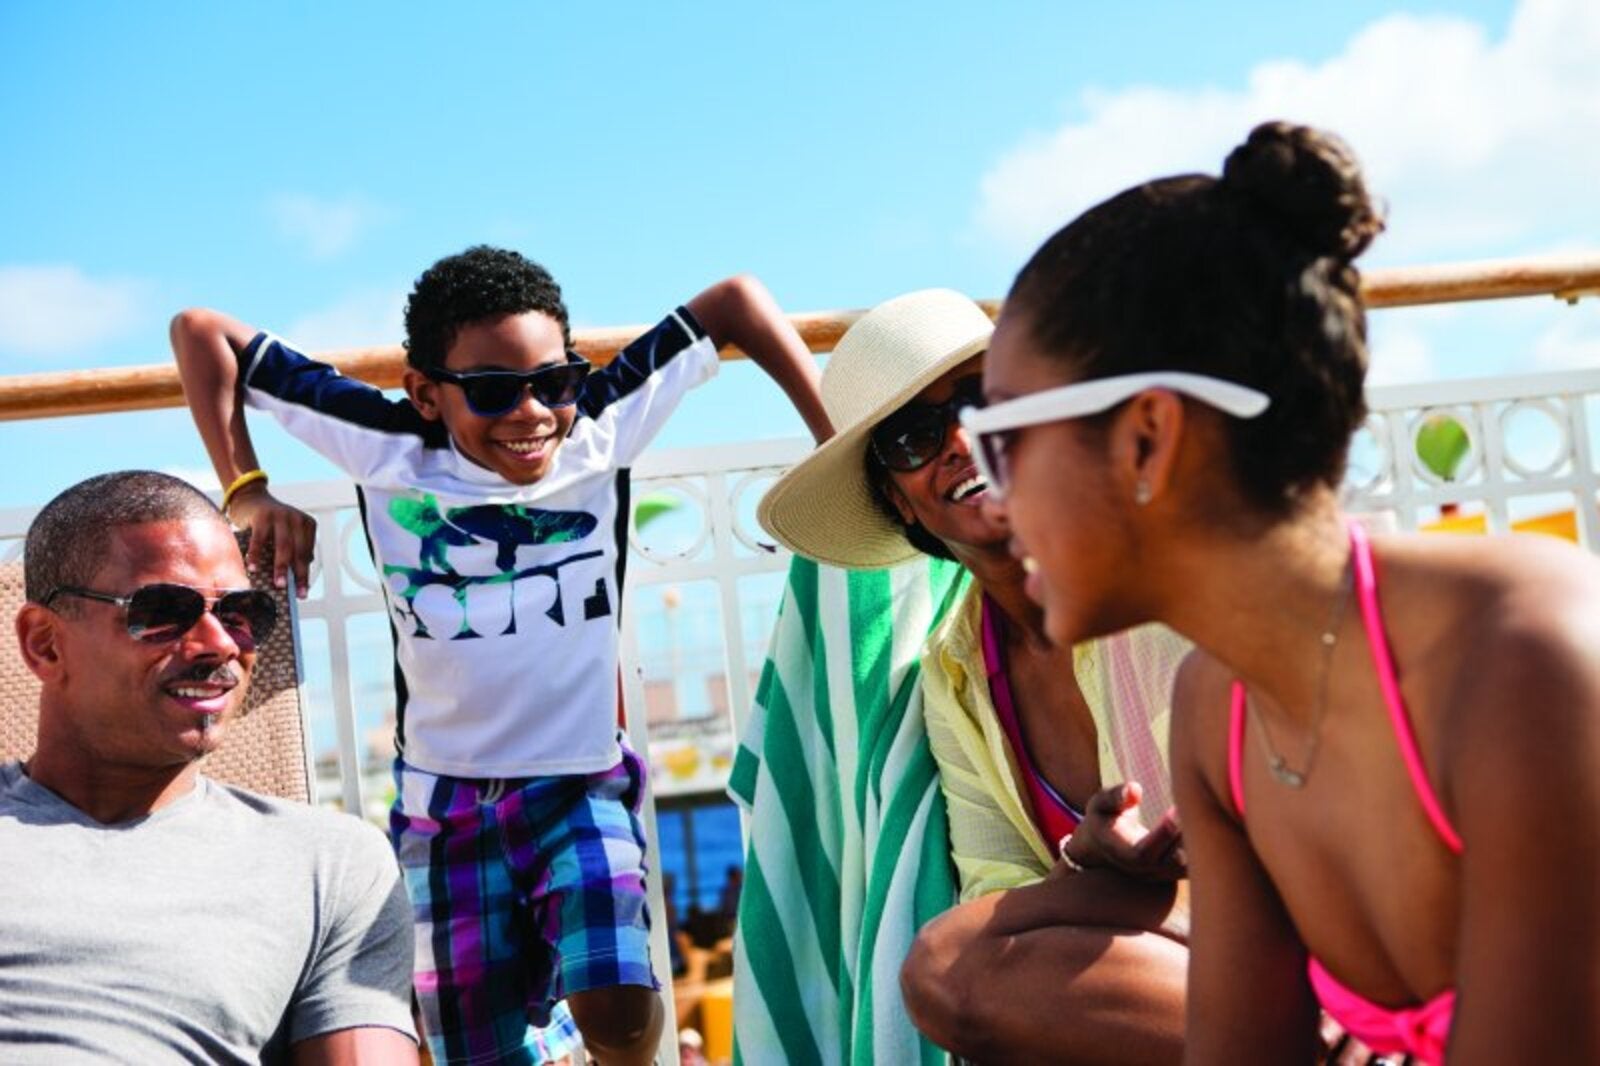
(740, 310)
(206, 345)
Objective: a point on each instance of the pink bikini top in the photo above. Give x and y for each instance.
(1052, 814)
(1422, 1030)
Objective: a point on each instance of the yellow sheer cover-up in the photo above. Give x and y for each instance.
(1126, 680)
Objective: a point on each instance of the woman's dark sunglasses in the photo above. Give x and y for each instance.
(915, 435)
(494, 392)
(159, 614)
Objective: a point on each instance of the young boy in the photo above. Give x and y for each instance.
(495, 502)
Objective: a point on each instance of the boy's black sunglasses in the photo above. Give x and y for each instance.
(158, 614)
(915, 434)
(494, 392)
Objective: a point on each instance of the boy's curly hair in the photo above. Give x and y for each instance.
(479, 283)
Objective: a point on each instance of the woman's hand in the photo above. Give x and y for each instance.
(1112, 835)
(284, 534)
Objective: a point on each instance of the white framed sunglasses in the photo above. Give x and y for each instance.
(992, 428)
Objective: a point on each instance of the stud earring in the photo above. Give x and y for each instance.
(1141, 492)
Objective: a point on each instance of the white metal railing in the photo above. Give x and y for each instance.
(1529, 454)
(1527, 458)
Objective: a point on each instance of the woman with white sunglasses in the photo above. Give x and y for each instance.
(1386, 751)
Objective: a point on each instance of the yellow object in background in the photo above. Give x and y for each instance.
(681, 762)
(1561, 524)
(716, 1020)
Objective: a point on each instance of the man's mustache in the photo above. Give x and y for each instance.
(211, 674)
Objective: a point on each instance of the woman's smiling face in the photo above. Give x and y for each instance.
(946, 494)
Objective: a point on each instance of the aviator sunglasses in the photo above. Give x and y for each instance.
(995, 427)
(159, 614)
(494, 392)
(914, 435)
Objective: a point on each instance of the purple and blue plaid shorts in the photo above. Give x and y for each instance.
(523, 891)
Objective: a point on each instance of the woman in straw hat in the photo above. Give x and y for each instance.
(1387, 754)
(1026, 734)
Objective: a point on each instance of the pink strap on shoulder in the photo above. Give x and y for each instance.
(1236, 747)
(1366, 580)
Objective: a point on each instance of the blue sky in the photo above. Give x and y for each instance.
(299, 164)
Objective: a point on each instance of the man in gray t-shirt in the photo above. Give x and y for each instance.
(148, 914)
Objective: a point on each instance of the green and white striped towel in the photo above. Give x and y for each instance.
(849, 851)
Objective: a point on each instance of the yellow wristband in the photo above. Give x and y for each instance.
(247, 478)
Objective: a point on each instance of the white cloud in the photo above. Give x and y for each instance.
(1480, 146)
(364, 318)
(1399, 357)
(1572, 342)
(323, 228)
(57, 309)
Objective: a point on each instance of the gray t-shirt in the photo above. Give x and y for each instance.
(220, 929)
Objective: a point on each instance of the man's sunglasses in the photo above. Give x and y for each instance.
(994, 427)
(914, 435)
(160, 614)
(494, 392)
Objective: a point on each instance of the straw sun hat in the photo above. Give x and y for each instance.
(823, 507)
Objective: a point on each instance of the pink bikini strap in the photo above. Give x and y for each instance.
(1367, 595)
(1236, 747)
(1366, 582)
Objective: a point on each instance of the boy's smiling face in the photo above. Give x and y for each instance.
(520, 444)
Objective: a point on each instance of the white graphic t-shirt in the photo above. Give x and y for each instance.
(503, 599)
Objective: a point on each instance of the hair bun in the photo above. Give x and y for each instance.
(1308, 181)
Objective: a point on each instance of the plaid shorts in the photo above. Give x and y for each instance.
(523, 891)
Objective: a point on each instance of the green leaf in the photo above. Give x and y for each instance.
(1442, 443)
(652, 506)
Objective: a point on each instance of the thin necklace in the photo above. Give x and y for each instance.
(1279, 766)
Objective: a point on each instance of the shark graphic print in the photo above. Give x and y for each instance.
(506, 527)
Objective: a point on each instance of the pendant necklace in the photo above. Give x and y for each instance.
(1286, 774)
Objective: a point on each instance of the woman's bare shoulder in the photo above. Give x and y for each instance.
(1502, 561)
(1200, 695)
(1514, 625)
(1200, 674)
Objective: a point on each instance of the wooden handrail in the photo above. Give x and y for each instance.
(1566, 278)
(139, 388)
